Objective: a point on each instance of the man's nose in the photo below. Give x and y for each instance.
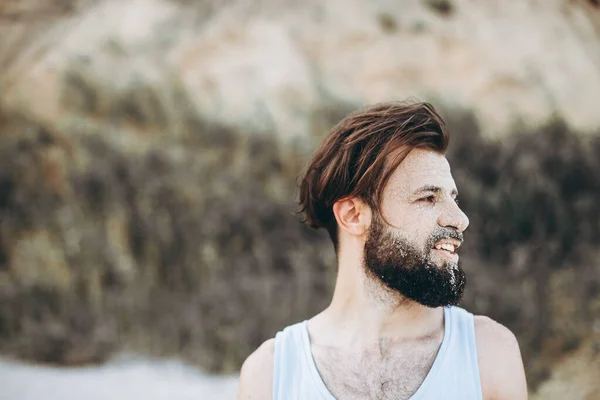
(453, 217)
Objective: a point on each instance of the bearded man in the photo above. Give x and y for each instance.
(382, 187)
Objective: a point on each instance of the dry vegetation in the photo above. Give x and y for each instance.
(193, 248)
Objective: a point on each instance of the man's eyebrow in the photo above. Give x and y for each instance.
(434, 189)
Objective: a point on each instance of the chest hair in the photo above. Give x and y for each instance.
(388, 372)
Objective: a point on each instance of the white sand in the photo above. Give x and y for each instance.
(127, 378)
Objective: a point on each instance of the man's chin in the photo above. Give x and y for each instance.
(432, 294)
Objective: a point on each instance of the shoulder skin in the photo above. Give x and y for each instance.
(500, 363)
(256, 375)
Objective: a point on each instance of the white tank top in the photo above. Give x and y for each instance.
(454, 374)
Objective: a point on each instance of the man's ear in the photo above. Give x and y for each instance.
(352, 215)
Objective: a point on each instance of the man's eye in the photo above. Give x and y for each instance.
(428, 199)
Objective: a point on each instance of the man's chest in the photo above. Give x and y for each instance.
(395, 374)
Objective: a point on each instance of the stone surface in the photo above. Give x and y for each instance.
(269, 65)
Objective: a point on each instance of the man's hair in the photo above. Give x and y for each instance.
(360, 154)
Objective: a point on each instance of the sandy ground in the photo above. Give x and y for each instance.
(123, 379)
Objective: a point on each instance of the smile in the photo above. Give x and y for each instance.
(446, 255)
(446, 249)
(446, 246)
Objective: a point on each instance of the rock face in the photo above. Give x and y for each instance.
(149, 151)
(268, 66)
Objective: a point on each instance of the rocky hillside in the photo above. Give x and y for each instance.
(270, 64)
(149, 151)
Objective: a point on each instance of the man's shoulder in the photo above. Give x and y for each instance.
(500, 363)
(256, 375)
(263, 354)
(489, 331)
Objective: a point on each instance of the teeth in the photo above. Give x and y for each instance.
(445, 246)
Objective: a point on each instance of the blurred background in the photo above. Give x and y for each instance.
(149, 153)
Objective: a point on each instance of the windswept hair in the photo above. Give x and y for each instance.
(360, 154)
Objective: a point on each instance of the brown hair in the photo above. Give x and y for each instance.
(360, 154)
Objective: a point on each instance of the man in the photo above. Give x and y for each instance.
(382, 187)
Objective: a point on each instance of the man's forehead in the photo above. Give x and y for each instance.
(423, 168)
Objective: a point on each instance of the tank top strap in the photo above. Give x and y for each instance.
(466, 326)
(279, 365)
(463, 355)
(289, 366)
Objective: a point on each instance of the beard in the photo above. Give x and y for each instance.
(394, 262)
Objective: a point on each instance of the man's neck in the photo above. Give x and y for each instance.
(363, 313)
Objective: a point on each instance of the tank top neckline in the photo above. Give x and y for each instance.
(429, 378)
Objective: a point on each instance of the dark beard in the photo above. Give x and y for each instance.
(403, 268)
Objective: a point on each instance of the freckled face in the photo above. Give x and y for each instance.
(420, 199)
(414, 252)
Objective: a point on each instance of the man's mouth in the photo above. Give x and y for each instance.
(446, 248)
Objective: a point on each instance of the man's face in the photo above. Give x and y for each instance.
(415, 254)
